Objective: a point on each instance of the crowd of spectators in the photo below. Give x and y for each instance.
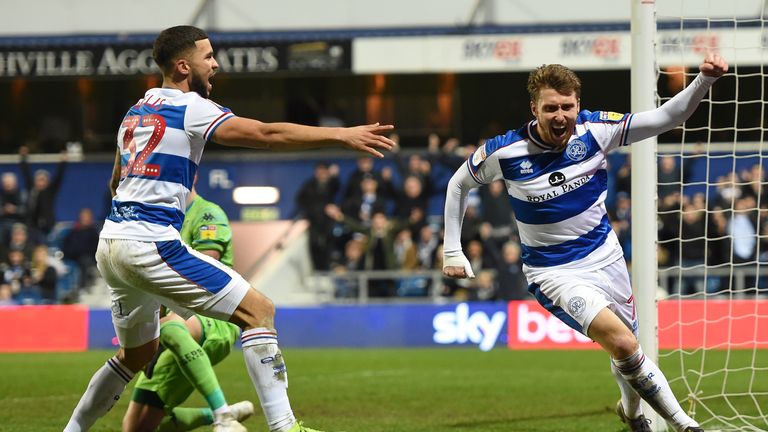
(377, 220)
(35, 259)
(713, 236)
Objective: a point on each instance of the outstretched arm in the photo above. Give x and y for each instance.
(677, 110)
(455, 264)
(245, 132)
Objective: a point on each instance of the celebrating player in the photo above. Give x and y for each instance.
(190, 348)
(141, 255)
(554, 168)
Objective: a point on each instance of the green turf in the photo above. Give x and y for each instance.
(449, 389)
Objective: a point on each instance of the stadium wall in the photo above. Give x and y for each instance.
(715, 324)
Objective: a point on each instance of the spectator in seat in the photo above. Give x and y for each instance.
(741, 228)
(405, 251)
(42, 276)
(427, 248)
(379, 250)
(41, 201)
(80, 244)
(352, 261)
(411, 200)
(314, 195)
(754, 183)
(364, 168)
(19, 240)
(16, 272)
(621, 221)
(497, 211)
(512, 284)
(669, 176)
(6, 294)
(11, 204)
(362, 207)
(693, 250)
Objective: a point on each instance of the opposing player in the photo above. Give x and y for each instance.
(190, 347)
(554, 168)
(140, 253)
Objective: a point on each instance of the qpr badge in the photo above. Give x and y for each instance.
(576, 306)
(576, 150)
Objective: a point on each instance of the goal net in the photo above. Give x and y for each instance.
(713, 215)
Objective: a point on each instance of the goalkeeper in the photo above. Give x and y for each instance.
(555, 170)
(190, 348)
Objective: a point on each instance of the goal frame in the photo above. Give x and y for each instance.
(643, 180)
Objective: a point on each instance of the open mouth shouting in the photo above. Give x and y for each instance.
(559, 133)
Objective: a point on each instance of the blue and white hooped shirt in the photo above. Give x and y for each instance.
(161, 141)
(558, 196)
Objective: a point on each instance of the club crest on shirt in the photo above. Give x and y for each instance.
(576, 306)
(576, 150)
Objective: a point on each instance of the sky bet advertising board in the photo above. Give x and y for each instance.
(684, 324)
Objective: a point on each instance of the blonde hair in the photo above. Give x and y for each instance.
(554, 76)
(36, 265)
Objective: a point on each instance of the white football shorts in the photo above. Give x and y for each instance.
(576, 296)
(142, 275)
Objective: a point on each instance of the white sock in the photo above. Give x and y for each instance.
(104, 390)
(630, 400)
(269, 375)
(649, 382)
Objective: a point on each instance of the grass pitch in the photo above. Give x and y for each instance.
(408, 390)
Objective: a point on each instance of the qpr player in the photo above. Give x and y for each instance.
(141, 255)
(555, 172)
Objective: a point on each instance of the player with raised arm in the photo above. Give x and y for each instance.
(189, 348)
(555, 172)
(141, 255)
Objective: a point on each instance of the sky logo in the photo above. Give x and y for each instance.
(459, 326)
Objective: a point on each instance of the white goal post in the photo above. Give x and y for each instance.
(644, 262)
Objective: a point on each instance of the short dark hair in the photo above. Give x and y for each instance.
(173, 42)
(554, 76)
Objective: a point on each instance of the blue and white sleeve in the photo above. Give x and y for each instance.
(204, 116)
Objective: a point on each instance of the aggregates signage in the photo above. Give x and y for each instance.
(134, 60)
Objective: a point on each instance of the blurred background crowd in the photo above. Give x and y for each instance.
(376, 221)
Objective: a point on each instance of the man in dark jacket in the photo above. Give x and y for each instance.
(80, 245)
(312, 198)
(42, 191)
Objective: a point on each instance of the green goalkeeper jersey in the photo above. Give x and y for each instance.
(206, 227)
